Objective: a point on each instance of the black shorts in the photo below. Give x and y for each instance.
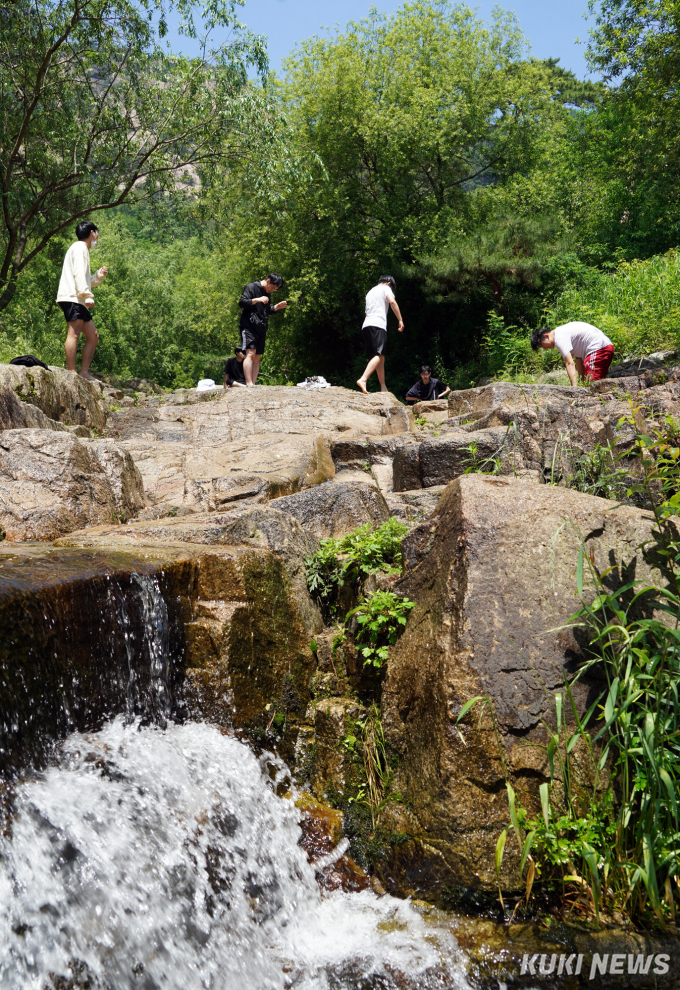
(75, 311)
(375, 341)
(254, 339)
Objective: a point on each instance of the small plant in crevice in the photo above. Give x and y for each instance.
(595, 472)
(381, 619)
(372, 776)
(476, 464)
(345, 561)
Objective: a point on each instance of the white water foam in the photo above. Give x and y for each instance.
(148, 858)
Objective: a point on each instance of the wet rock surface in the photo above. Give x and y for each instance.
(531, 955)
(87, 632)
(74, 641)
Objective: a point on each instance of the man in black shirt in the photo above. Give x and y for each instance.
(233, 369)
(427, 388)
(256, 308)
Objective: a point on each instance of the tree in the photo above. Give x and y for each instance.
(408, 114)
(636, 43)
(394, 126)
(94, 111)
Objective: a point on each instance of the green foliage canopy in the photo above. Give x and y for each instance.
(93, 108)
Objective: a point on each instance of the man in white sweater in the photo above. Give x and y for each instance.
(75, 296)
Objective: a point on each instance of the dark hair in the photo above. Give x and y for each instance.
(84, 229)
(537, 336)
(275, 280)
(239, 350)
(426, 367)
(389, 280)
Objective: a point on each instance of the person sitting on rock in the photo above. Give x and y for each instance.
(256, 308)
(587, 352)
(75, 299)
(428, 388)
(233, 369)
(375, 329)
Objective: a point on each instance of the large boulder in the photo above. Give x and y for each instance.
(52, 483)
(492, 573)
(333, 510)
(59, 394)
(510, 428)
(204, 452)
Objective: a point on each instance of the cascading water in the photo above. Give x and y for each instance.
(147, 858)
(154, 646)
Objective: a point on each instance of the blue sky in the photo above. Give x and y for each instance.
(551, 26)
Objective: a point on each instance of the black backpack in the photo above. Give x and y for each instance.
(28, 361)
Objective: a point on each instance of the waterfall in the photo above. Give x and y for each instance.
(147, 858)
(154, 649)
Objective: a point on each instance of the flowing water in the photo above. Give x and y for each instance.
(149, 857)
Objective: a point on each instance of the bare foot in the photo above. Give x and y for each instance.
(88, 376)
(362, 386)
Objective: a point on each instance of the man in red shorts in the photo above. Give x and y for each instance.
(587, 352)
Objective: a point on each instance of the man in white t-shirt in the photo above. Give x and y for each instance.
(587, 352)
(375, 329)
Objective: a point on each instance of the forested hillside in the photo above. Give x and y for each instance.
(500, 191)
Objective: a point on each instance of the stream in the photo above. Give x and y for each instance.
(147, 857)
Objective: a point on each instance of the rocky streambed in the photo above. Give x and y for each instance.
(153, 570)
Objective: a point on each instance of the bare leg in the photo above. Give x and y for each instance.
(91, 340)
(248, 363)
(71, 345)
(256, 367)
(579, 367)
(380, 371)
(370, 368)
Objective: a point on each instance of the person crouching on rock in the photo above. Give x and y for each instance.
(75, 296)
(233, 369)
(587, 352)
(256, 308)
(428, 388)
(375, 329)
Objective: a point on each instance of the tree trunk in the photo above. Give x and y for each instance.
(497, 290)
(8, 294)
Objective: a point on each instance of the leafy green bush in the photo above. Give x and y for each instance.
(349, 559)
(637, 305)
(381, 618)
(507, 348)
